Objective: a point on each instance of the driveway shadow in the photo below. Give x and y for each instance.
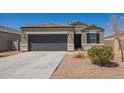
(3, 56)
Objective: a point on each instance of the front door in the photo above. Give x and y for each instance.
(77, 41)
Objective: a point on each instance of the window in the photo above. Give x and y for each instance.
(92, 38)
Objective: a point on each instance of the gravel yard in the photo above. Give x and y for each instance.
(82, 68)
(8, 53)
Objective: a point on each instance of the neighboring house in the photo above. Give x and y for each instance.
(112, 40)
(58, 37)
(9, 39)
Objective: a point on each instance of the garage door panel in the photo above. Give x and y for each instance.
(49, 47)
(54, 42)
(48, 38)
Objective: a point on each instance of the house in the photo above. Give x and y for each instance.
(9, 39)
(113, 42)
(60, 37)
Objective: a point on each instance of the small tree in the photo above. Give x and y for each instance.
(117, 25)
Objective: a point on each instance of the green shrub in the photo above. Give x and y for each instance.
(100, 55)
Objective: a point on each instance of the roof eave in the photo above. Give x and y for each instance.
(51, 27)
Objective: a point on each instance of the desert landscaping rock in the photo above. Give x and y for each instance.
(9, 53)
(82, 68)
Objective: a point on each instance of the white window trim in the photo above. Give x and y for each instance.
(64, 32)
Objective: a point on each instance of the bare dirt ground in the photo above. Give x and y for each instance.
(9, 53)
(82, 68)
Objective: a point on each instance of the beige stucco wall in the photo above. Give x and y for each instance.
(70, 42)
(15, 45)
(101, 37)
(69, 30)
(112, 41)
(84, 38)
(122, 37)
(113, 37)
(109, 43)
(70, 38)
(49, 29)
(78, 28)
(6, 39)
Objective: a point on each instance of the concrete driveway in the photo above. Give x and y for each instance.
(30, 65)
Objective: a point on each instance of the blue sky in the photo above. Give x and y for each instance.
(16, 20)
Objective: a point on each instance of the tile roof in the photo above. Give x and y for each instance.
(78, 23)
(121, 33)
(56, 25)
(49, 25)
(93, 27)
(9, 30)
